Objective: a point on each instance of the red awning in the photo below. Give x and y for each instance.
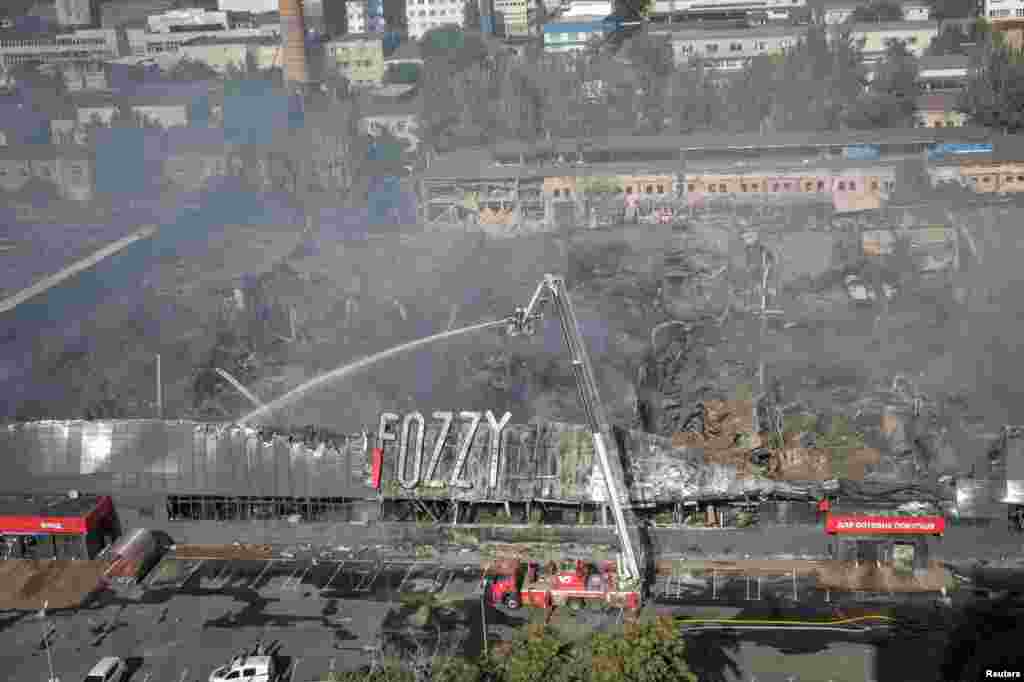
(885, 525)
(42, 525)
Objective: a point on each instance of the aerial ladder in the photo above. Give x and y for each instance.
(553, 291)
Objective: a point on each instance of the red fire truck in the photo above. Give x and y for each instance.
(71, 526)
(573, 583)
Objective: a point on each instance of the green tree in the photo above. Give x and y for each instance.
(471, 14)
(994, 95)
(192, 70)
(652, 58)
(818, 82)
(950, 41)
(891, 98)
(649, 652)
(952, 9)
(880, 10)
(539, 654)
(406, 74)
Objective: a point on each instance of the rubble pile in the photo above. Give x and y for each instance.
(727, 435)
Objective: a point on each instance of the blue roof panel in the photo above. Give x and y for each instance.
(574, 27)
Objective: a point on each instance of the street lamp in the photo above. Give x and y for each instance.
(46, 641)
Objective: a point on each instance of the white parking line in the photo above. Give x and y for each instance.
(370, 577)
(260, 574)
(295, 580)
(412, 567)
(333, 576)
(448, 584)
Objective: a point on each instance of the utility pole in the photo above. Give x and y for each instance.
(46, 641)
(159, 390)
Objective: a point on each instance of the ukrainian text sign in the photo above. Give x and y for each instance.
(885, 525)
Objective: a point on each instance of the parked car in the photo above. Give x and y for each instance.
(109, 669)
(247, 669)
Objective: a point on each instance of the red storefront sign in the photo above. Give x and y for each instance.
(885, 525)
(43, 525)
(378, 465)
(57, 525)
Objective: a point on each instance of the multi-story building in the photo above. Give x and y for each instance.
(945, 72)
(939, 110)
(514, 16)
(423, 15)
(78, 13)
(220, 54)
(82, 45)
(585, 8)
(1007, 17)
(69, 168)
(355, 13)
(359, 57)
(766, 9)
(192, 19)
(728, 49)
(572, 34)
(84, 76)
(874, 39)
(142, 43)
(840, 11)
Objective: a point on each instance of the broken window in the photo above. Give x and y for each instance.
(721, 187)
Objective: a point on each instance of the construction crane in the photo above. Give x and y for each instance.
(553, 290)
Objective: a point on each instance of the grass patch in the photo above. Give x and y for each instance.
(744, 392)
(841, 434)
(576, 453)
(799, 423)
(425, 551)
(462, 537)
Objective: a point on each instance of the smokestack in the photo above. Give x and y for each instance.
(293, 40)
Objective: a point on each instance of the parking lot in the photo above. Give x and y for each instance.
(191, 616)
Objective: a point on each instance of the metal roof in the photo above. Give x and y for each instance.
(48, 505)
(945, 61)
(754, 141)
(883, 26)
(687, 32)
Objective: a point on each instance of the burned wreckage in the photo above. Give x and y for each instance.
(550, 468)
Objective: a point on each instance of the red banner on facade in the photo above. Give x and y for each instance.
(885, 525)
(378, 465)
(42, 525)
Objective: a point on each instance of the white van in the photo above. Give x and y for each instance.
(109, 669)
(248, 669)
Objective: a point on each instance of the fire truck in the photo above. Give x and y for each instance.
(572, 583)
(575, 582)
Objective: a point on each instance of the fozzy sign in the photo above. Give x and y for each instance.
(410, 469)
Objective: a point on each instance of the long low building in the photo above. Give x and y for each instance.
(517, 187)
(732, 48)
(82, 45)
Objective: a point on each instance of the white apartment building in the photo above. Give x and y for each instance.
(584, 8)
(82, 45)
(77, 12)
(515, 16)
(186, 19)
(1004, 10)
(143, 43)
(423, 15)
(355, 10)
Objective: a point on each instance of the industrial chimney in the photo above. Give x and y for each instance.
(293, 41)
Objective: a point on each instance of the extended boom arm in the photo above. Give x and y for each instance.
(553, 290)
